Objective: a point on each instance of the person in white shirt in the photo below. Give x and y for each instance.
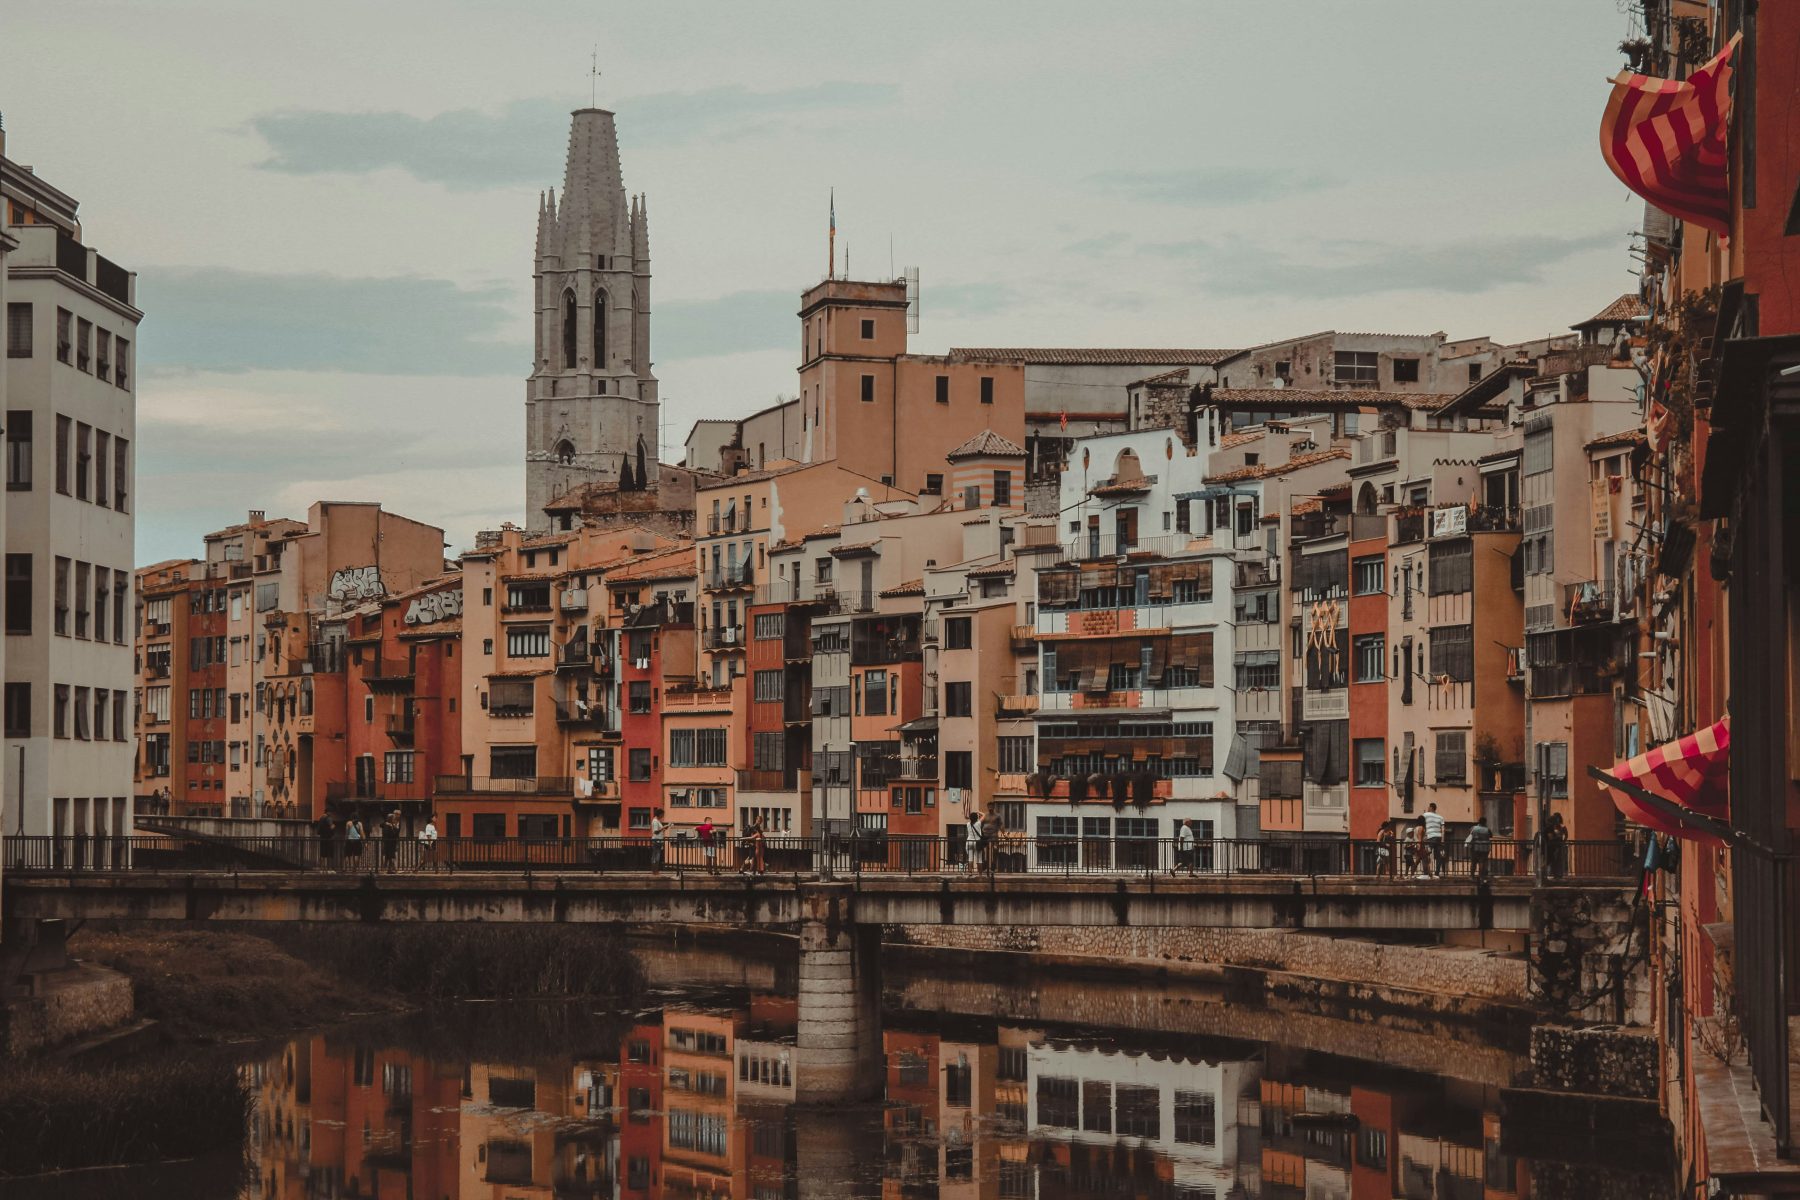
(1184, 847)
(1434, 839)
(428, 837)
(972, 842)
(658, 832)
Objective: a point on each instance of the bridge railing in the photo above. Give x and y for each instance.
(831, 856)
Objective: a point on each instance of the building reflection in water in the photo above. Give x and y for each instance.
(697, 1101)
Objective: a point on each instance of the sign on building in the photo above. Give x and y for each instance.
(1449, 522)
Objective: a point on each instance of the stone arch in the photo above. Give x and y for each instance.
(1126, 465)
(564, 452)
(1367, 499)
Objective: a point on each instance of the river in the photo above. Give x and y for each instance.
(989, 1090)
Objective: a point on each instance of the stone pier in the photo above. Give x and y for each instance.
(838, 1038)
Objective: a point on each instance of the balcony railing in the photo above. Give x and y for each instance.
(726, 578)
(584, 714)
(1588, 603)
(721, 637)
(575, 653)
(487, 785)
(768, 780)
(400, 727)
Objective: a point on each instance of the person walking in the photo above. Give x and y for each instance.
(1480, 842)
(428, 837)
(390, 843)
(327, 830)
(1420, 855)
(1184, 847)
(1434, 839)
(708, 846)
(1556, 847)
(659, 833)
(353, 844)
(972, 840)
(753, 851)
(1385, 861)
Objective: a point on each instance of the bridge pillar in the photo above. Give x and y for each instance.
(838, 1035)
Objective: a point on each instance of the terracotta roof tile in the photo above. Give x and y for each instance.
(1612, 441)
(999, 570)
(1077, 357)
(1270, 470)
(912, 587)
(1178, 375)
(675, 563)
(1300, 399)
(1240, 439)
(987, 444)
(1626, 308)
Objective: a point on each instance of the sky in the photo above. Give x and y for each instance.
(331, 207)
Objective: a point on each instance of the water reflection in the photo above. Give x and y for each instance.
(695, 1098)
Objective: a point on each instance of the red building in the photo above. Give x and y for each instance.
(1369, 803)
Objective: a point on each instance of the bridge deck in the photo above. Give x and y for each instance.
(1243, 901)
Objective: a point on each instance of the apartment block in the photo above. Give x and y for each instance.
(70, 425)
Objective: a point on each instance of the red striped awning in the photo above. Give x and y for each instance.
(1665, 140)
(1689, 772)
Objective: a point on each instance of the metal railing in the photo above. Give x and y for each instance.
(1767, 952)
(828, 856)
(484, 785)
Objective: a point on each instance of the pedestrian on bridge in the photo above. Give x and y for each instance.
(1386, 858)
(327, 830)
(709, 847)
(1184, 847)
(973, 840)
(353, 844)
(390, 843)
(659, 833)
(1434, 839)
(1480, 842)
(428, 837)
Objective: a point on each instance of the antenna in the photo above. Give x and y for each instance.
(594, 78)
(912, 299)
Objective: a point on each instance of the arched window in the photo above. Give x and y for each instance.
(568, 331)
(600, 331)
(565, 452)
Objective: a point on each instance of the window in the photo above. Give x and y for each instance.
(82, 572)
(868, 389)
(638, 764)
(397, 766)
(84, 458)
(103, 356)
(1139, 1111)
(1540, 447)
(769, 685)
(1452, 762)
(118, 701)
(528, 641)
(822, 570)
(1453, 653)
(767, 627)
(959, 699)
(1196, 1118)
(868, 329)
(83, 730)
(959, 769)
(934, 485)
(18, 710)
(987, 389)
(65, 341)
(875, 693)
(121, 368)
(1258, 669)
(768, 752)
(1002, 488)
(18, 331)
(943, 389)
(1451, 566)
(1553, 769)
(512, 762)
(958, 633)
(1371, 762)
(1406, 370)
(1015, 756)
(63, 427)
(18, 450)
(18, 593)
(637, 696)
(1371, 657)
(59, 714)
(1369, 575)
(1356, 368)
(84, 337)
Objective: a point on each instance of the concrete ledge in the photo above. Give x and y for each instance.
(72, 1003)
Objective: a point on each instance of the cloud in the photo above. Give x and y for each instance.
(1210, 187)
(468, 149)
(220, 319)
(1342, 269)
(733, 324)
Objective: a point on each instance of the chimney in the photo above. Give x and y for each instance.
(257, 516)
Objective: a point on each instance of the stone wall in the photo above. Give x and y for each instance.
(1601, 1060)
(1590, 956)
(69, 1004)
(1451, 971)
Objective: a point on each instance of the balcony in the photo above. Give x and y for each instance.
(574, 600)
(1588, 603)
(400, 728)
(741, 577)
(575, 654)
(525, 785)
(918, 768)
(767, 780)
(604, 791)
(156, 671)
(724, 637)
(388, 674)
(1409, 525)
(1024, 638)
(1017, 706)
(586, 714)
(1515, 664)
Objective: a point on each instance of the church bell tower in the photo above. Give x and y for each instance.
(591, 413)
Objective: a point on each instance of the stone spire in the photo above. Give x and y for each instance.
(640, 228)
(594, 218)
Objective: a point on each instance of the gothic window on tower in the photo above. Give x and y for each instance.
(568, 331)
(600, 331)
(565, 452)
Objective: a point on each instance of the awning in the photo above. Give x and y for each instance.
(918, 725)
(1679, 787)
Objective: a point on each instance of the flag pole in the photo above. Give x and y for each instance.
(831, 241)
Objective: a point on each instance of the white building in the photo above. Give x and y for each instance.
(71, 335)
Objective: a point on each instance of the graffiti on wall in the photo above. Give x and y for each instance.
(437, 606)
(353, 584)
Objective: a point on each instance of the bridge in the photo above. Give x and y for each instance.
(835, 897)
